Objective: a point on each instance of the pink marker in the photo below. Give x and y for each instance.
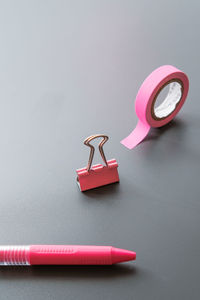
(63, 255)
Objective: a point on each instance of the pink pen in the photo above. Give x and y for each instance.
(63, 255)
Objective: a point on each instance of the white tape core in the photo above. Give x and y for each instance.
(169, 104)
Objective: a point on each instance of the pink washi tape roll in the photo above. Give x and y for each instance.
(151, 116)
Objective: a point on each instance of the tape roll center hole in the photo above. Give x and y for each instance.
(171, 94)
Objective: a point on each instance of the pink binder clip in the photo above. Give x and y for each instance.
(97, 175)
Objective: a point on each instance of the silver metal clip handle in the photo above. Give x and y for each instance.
(92, 149)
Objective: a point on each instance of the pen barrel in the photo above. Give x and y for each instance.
(14, 255)
(70, 255)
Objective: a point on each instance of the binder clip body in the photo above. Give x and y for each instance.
(94, 176)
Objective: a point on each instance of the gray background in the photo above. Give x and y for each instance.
(69, 69)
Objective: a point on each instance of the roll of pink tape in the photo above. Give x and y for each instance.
(151, 116)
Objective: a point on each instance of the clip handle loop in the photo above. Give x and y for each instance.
(92, 149)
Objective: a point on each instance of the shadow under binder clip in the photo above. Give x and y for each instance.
(94, 176)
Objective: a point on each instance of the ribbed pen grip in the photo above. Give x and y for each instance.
(70, 255)
(14, 255)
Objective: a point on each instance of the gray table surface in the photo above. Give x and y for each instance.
(69, 69)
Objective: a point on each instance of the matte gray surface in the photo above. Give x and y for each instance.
(69, 69)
